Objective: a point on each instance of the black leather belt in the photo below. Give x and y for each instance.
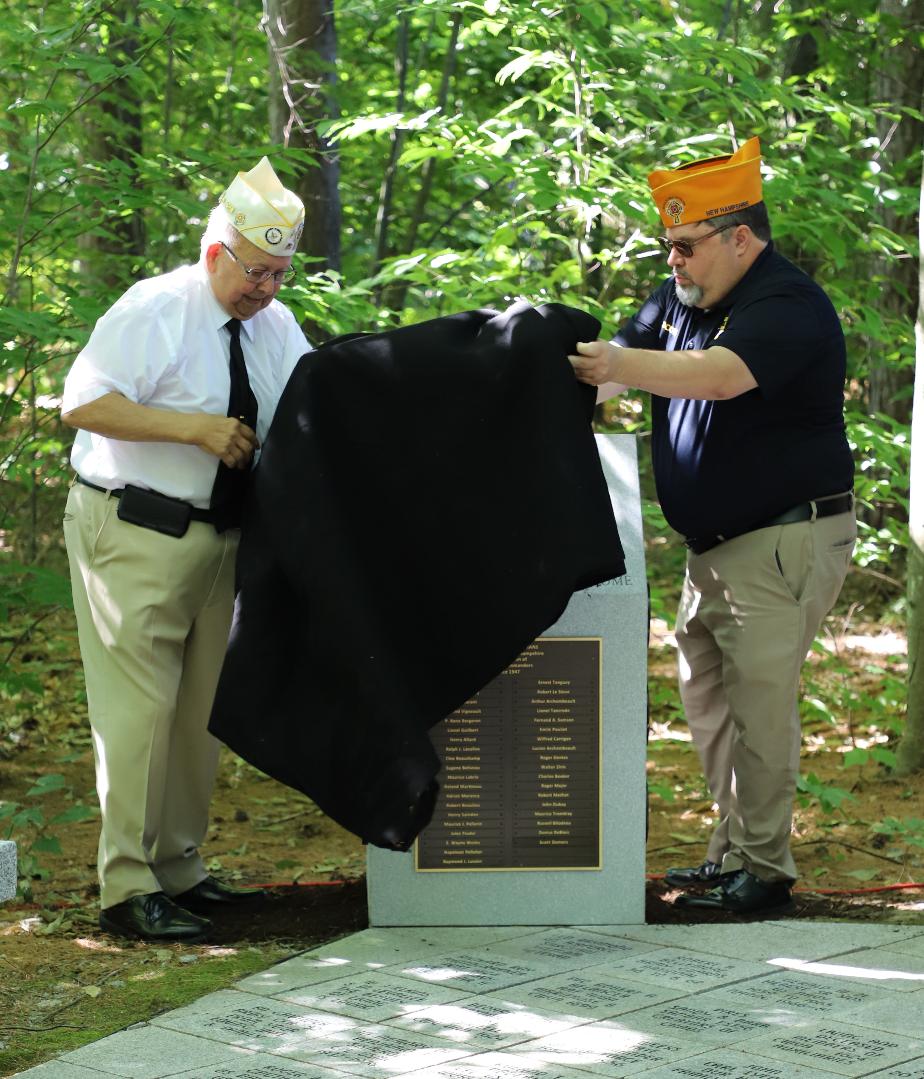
(808, 511)
(195, 514)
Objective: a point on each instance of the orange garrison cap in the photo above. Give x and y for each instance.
(708, 188)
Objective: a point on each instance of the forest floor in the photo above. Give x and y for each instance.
(63, 982)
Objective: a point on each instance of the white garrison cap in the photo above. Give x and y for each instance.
(263, 211)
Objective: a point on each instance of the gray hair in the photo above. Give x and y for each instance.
(218, 230)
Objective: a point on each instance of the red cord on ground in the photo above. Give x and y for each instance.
(831, 891)
(297, 883)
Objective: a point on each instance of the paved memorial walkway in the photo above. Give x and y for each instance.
(767, 1000)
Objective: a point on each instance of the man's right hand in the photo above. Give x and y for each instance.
(594, 362)
(226, 438)
(115, 417)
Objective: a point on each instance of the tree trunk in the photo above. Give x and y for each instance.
(898, 83)
(396, 294)
(115, 138)
(428, 168)
(383, 216)
(302, 54)
(911, 747)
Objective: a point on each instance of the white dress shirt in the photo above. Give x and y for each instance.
(164, 344)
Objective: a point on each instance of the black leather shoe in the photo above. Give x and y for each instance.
(155, 917)
(701, 874)
(211, 893)
(741, 892)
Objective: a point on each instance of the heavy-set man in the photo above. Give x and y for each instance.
(172, 396)
(745, 359)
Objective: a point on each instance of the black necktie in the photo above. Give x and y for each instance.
(230, 487)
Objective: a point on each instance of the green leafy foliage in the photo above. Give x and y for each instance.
(909, 831)
(525, 177)
(829, 798)
(29, 825)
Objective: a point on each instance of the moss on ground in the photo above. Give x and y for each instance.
(63, 1009)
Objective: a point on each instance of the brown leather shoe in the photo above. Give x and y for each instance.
(154, 917)
(210, 894)
(700, 874)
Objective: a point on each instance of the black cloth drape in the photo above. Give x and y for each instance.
(426, 502)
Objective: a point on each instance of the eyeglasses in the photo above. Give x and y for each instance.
(257, 276)
(685, 247)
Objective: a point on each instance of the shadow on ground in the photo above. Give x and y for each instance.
(313, 912)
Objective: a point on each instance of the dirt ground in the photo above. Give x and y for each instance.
(63, 982)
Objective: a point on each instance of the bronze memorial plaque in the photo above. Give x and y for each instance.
(520, 784)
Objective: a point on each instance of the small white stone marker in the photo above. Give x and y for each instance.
(7, 870)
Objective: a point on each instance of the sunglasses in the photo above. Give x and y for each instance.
(685, 247)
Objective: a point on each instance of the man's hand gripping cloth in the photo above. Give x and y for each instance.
(426, 503)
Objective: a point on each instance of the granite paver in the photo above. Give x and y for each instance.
(148, 1052)
(774, 940)
(897, 971)
(372, 997)
(482, 1023)
(597, 993)
(838, 1047)
(768, 1000)
(795, 993)
(725, 1064)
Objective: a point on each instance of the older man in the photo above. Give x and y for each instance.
(745, 360)
(172, 395)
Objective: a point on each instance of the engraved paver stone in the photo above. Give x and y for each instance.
(672, 967)
(913, 945)
(372, 949)
(886, 969)
(240, 1019)
(371, 997)
(498, 1066)
(605, 1047)
(379, 1051)
(262, 1066)
(791, 992)
(57, 1069)
(567, 949)
(846, 1050)
(895, 1013)
(479, 1023)
(148, 1052)
(725, 1064)
(715, 1022)
(764, 941)
(476, 972)
(595, 993)
(505, 1008)
(913, 1069)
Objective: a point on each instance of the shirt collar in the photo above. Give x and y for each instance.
(729, 298)
(217, 315)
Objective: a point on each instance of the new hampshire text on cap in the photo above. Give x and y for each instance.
(708, 188)
(263, 211)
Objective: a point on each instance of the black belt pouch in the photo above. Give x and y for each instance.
(152, 510)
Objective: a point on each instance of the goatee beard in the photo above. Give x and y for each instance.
(689, 295)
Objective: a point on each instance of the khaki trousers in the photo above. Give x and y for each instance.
(153, 614)
(749, 612)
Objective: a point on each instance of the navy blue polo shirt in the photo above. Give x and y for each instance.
(723, 467)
